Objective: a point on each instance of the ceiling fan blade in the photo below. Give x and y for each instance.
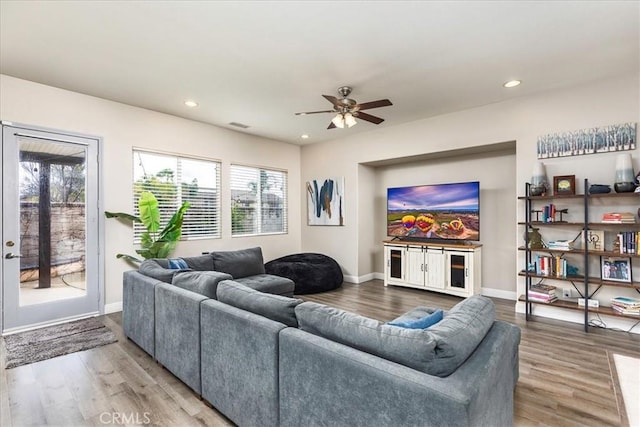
(331, 126)
(333, 100)
(369, 118)
(375, 104)
(304, 113)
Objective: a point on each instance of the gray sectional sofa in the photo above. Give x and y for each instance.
(264, 359)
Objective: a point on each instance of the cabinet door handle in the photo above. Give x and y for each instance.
(466, 272)
(421, 267)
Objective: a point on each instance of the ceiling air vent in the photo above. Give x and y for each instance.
(239, 125)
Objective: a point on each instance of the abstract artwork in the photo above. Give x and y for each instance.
(604, 139)
(325, 201)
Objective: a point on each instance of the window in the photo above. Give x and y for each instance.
(174, 180)
(258, 201)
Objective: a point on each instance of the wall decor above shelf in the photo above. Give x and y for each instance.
(574, 306)
(579, 278)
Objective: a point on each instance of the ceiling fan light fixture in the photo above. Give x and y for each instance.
(349, 120)
(338, 120)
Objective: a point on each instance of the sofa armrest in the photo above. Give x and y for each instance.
(201, 282)
(178, 332)
(138, 309)
(326, 383)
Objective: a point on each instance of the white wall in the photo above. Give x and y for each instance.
(522, 120)
(123, 127)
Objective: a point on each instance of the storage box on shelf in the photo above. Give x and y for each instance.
(588, 284)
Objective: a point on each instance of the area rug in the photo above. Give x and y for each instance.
(626, 375)
(41, 344)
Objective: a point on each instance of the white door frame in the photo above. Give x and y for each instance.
(63, 136)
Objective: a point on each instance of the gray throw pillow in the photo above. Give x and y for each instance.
(274, 307)
(242, 263)
(202, 282)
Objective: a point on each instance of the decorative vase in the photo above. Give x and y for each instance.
(625, 180)
(535, 238)
(539, 182)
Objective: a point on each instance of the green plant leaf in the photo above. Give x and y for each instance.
(149, 212)
(173, 230)
(129, 258)
(146, 241)
(122, 215)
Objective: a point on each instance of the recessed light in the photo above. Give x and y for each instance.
(305, 136)
(512, 83)
(191, 104)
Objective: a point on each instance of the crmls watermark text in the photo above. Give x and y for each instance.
(133, 418)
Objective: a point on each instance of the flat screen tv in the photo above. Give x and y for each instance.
(438, 212)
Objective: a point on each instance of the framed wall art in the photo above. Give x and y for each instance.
(616, 269)
(325, 201)
(564, 185)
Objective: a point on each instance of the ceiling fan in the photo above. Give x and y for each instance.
(347, 109)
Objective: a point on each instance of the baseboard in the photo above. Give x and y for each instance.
(499, 293)
(363, 278)
(114, 307)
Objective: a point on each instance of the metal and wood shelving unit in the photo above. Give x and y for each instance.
(583, 284)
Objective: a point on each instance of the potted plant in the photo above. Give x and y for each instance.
(155, 242)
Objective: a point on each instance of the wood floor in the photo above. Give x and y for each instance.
(565, 377)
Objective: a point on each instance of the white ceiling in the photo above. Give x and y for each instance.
(259, 62)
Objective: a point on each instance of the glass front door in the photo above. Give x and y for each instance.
(50, 227)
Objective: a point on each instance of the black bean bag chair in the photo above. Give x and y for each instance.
(310, 272)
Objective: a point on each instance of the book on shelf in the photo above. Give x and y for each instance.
(551, 266)
(627, 302)
(543, 289)
(622, 310)
(628, 242)
(543, 300)
(618, 218)
(560, 244)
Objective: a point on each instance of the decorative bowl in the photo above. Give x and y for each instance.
(599, 189)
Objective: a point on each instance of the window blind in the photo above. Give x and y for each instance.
(174, 180)
(258, 201)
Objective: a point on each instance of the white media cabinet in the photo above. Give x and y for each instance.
(440, 267)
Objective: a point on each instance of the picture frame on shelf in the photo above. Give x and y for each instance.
(616, 269)
(564, 185)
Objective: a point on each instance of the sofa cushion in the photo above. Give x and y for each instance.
(199, 262)
(158, 269)
(410, 347)
(421, 322)
(460, 332)
(438, 350)
(269, 284)
(274, 307)
(202, 282)
(242, 263)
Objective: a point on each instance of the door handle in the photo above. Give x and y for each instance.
(11, 255)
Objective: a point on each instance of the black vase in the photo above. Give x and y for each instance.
(624, 187)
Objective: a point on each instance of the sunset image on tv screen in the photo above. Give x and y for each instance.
(444, 211)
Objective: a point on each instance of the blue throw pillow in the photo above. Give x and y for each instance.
(177, 264)
(421, 323)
